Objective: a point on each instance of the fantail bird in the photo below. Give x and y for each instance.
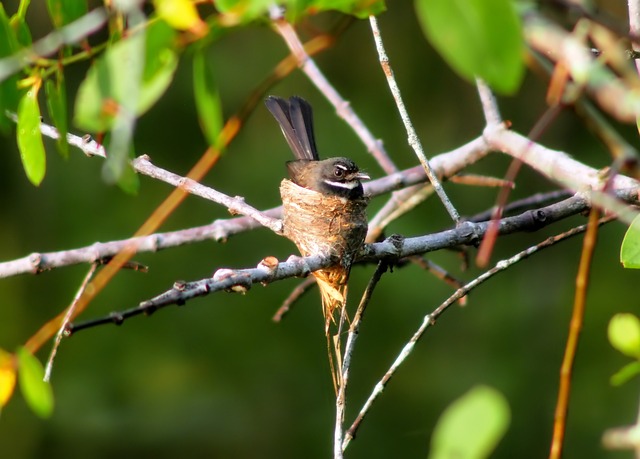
(323, 202)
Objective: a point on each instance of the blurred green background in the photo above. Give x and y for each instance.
(218, 378)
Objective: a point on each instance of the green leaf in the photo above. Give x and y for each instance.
(181, 15)
(472, 426)
(480, 38)
(23, 34)
(57, 108)
(245, 10)
(7, 376)
(625, 373)
(9, 94)
(29, 137)
(207, 99)
(624, 334)
(630, 249)
(359, 8)
(107, 88)
(36, 391)
(62, 12)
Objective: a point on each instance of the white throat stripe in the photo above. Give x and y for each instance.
(348, 185)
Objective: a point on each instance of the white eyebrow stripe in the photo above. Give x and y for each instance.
(348, 185)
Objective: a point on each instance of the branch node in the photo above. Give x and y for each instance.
(116, 318)
(471, 231)
(180, 285)
(301, 263)
(270, 265)
(35, 260)
(222, 274)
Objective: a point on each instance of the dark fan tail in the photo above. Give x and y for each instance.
(295, 118)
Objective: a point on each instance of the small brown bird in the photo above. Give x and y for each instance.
(323, 202)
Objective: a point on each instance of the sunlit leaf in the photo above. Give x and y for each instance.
(29, 136)
(22, 31)
(37, 393)
(624, 334)
(358, 8)
(472, 426)
(105, 89)
(181, 15)
(625, 373)
(57, 108)
(207, 99)
(63, 12)
(9, 95)
(7, 376)
(249, 10)
(630, 249)
(480, 38)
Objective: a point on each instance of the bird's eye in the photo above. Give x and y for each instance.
(338, 171)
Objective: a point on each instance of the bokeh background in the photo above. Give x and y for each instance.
(217, 378)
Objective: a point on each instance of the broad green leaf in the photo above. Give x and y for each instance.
(36, 391)
(247, 10)
(120, 171)
(9, 95)
(7, 376)
(472, 426)
(106, 89)
(477, 38)
(23, 34)
(63, 12)
(625, 373)
(630, 249)
(624, 334)
(181, 15)
(128, 180)
(207, 99)
(359, 8)
(57, 107)
(29, 136)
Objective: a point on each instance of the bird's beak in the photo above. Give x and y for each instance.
(362, 176)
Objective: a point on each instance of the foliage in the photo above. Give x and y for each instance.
(166, 78)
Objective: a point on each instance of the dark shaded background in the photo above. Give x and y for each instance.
(218, 378)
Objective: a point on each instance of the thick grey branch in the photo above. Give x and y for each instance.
(392, 249)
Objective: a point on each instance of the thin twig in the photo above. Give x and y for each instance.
(66, 320)
(343, 109)
(486, 248)
(414, 141)
(354, 329)
(73, 32)
(489, 104)
(294, 296)
(577, 316)
(236, 205)
(430, 319)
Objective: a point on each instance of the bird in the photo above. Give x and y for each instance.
(324, 205)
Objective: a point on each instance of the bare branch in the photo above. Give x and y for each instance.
(413, 139)
(341, 398)
(609, 91)
(71, 33)
(489, 104)
(430, 319)
(393, 248)
(343, 109)
(235, 205)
